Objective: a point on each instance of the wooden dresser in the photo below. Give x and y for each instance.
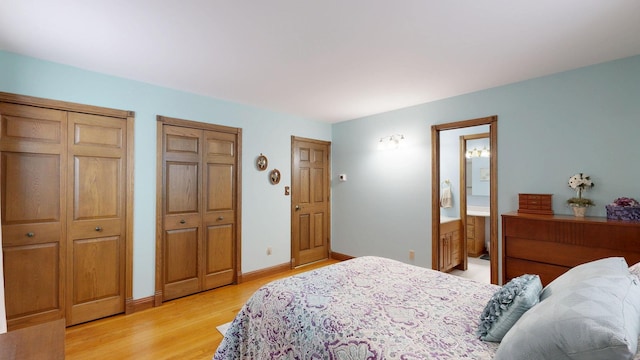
(549, 245)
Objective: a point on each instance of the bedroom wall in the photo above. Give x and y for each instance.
(549, 128)
(265, 209)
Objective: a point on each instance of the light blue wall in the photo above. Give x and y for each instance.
(548, 129)
(265, 209)
(586, 120)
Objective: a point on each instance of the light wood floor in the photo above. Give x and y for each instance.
(179, 329)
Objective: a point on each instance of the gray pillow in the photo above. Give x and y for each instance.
(606, 266)
(592, 317)
(507, 305)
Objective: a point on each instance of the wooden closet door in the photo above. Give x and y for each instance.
(182, 221)
(33, 206)
(219, 179)
(96, 217)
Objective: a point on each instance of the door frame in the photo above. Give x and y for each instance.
(161, 121)
(492, 121)
(328, 191)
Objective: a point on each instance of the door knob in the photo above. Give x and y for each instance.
(297, 207)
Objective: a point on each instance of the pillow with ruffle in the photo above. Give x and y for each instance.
(507, 305)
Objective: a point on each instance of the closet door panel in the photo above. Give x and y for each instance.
(96, 278)
(31, 283)
(31, 187)
(96, 217)
(219, 261)
(181, 195)
(181, 263)
(97, 187)
(182, 212)
(219, 187)
(32, 142)
(219, 214)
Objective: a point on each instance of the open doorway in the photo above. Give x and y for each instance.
(441, 240)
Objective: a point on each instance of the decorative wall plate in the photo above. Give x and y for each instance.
(262, 162)
(274, 176)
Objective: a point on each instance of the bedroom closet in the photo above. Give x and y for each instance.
(66, 210)
(198, 199)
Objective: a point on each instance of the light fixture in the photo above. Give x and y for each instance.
(390, 142)
(477, 153)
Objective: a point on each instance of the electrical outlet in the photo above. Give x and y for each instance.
(269, 251)
(412, 255)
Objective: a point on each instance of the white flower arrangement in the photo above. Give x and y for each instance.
(579, 183)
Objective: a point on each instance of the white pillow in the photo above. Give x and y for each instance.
(612, 265)
(635, 269)
(595, 316)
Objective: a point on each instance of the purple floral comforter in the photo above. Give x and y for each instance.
(365, 308)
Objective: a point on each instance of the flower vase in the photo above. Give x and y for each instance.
(578, 211)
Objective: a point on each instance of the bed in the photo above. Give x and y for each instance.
(364, 308)
(375, 308)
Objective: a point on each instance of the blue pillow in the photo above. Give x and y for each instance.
(507, 305)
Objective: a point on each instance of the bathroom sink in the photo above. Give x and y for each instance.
(478, 210)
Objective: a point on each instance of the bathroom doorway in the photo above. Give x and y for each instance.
(474, 157)
(447, 172)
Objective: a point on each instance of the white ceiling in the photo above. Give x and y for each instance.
(330, 60)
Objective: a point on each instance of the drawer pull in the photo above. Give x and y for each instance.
(220, 217)
(98, 228)
(182, 221)
(30, 234)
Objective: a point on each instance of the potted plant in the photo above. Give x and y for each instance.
(580, 182)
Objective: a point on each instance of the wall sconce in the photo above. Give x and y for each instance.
(390, 142)
(477, 153)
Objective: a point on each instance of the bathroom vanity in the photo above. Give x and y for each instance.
(451, 243)
(475, 235)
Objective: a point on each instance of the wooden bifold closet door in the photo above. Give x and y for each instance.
(198, 242)
(64, 212)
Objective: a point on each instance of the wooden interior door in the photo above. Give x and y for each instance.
(182, 220)
(310, 201)
(96, 213)
(199, 197)
(219, 185)
(33, 143)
